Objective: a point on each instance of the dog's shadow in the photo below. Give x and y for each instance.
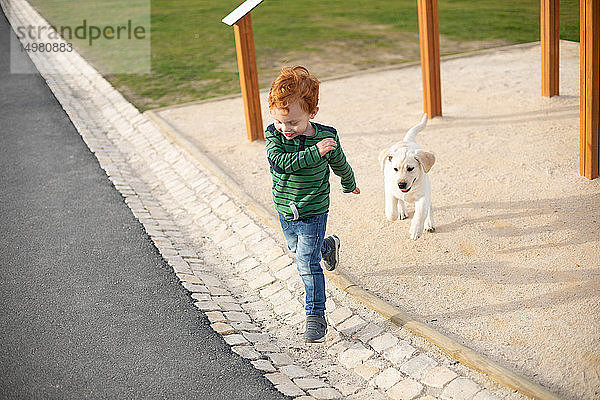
(566, 221)
(582, 283)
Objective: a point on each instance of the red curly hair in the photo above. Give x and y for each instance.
(292, 84)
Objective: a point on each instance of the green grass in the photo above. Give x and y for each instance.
(193, 53)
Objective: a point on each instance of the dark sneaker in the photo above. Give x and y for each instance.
(316, 328)
(333, 258)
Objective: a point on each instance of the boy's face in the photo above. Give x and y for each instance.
(293, 123)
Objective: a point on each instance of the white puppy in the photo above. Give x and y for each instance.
(405, 167)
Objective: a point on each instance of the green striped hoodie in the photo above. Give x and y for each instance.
(301, 175)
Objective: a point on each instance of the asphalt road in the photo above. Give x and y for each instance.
(88, 308)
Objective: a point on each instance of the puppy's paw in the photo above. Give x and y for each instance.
(391, 217)
(430, 228)
(414, 235)
(403, 215)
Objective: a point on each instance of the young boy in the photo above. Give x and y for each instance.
(300, 153)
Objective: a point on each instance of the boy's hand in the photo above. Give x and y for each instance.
(356, 191)
(326, 145)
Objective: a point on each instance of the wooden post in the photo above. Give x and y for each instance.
(550, 37)
(589, 160)
(429, 37)
(241, 20)
(246, 56)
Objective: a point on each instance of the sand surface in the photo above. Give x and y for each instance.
(513, 268)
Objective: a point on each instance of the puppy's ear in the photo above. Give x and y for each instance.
(426, 158)
(384, 155)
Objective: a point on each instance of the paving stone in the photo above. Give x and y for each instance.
(271, 254)
(207, 306)
(346, 389)
(368, 369)
(189, 278)
(280, 359)
(294, 371)
(485, 395)
(251, 240)
(290, 307)
(223, 299)
(387, 378)
(201, 296)
(249, 230)
(330, 305)
(384, 342)
(181, 268)
(399, 353)
(309, 383)
(354, 355)
(295, 285)
(264, 245)
(351, 325)
(254, 272)
(238, 254)
(460, 389)
(236, 316)
(418, 366)
(240, 222)
(245, 326)
(231, 307)
(235, 339)
(438, 377)
(325, 394)
(227, 210)
(256, 337)
(231, 243)
(281, 262)
(407, 389)
(261, 281)
(215, 316)
(210, 280)
(194, 288)
(297, 319)
(290, 390)
(368, 332)
(263, 365)
(286, 273)
(339, 315)
(266, 347)
(270, 290)
(281, 297)
(218, 201)
(339, 348)
(222, 328)
(247, 352)
(221, 235)
(247, 264)
(277, 378)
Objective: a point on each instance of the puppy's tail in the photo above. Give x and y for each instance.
(412, 132)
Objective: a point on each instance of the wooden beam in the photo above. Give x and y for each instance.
(550, 37)
(454, 349)
(589, 122)
(429, 37)
(246, 57)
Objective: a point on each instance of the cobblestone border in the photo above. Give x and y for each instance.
(234, 269)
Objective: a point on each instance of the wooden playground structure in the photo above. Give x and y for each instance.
(589, 155)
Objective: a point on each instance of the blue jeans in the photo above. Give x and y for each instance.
(305, 238)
